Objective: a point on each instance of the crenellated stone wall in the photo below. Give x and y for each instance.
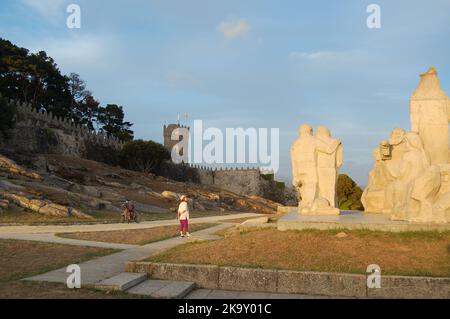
(42, 132)
(242, 181)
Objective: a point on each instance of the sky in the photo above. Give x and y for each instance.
(254, 63)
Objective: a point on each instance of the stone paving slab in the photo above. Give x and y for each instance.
(148, 287)
(121, 282)
(163, 289)
(174, 290)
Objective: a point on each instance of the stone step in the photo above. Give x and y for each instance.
(163, 289)
(122, 281)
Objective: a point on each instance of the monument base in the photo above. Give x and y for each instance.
(352, 220)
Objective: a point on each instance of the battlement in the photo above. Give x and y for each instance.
(29, 116)
(240, 169)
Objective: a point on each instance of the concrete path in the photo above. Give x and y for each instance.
(51, 238)
(101, 268)
(118, 226)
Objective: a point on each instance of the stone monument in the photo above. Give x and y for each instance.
(411, 176)
(315, 164)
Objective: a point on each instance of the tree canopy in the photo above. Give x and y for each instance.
(36, 79)
(143, 156)
(348, 193)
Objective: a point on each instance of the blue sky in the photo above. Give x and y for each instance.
(247, 63)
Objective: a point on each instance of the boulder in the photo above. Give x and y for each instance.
(44, 207)
(170, 195)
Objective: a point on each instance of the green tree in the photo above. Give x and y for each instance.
(348, 193)
(143, 156)
(33, 78)
(84, 107)
(111, 120)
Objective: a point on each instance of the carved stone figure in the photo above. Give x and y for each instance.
(429, 115)
(411, 177)
(376, 197)
(328, 165)
(315, 181)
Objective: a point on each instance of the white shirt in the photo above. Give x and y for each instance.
(183, 210)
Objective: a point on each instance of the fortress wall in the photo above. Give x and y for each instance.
(40, 131)
(242, 182)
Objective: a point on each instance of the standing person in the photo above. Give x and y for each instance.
(183, 216)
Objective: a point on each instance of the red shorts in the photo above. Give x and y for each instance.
(184, 225)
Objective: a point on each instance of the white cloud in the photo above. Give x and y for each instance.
(335, 58)
(233, 28)
(51, 10)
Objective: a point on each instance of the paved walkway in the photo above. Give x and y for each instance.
(101, 268)
(6, 230)
(98, 269)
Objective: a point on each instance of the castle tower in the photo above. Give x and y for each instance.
(429, 115)
(167, 133)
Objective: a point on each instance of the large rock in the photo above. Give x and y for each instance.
(171, 195)
(43, 207)
(10, 166)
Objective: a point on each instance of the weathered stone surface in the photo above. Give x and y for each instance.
(295, 282)
(205, 276)
(170, 195)
(231, 278)
(11, 167)
(44, 207)
(410, 178)
(327, 284)
(315, 164)
(174, 290)
(121, 282)
(411, 287)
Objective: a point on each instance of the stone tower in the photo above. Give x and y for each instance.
(167, 131)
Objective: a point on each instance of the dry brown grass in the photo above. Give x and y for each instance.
(134, 236)
(22, 259)
(19, 259)
(420, 253)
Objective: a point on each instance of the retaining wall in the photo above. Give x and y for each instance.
(295, 282)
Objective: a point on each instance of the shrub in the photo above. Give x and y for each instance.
(143, 156)
(348, 193)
